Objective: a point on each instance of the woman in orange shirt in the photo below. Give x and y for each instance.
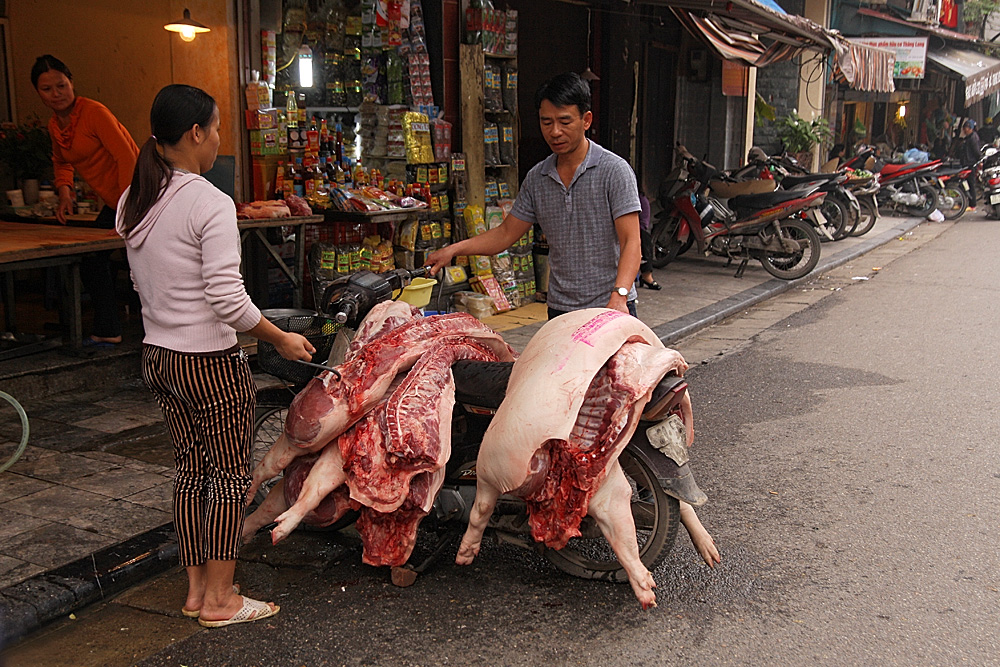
(87, 138)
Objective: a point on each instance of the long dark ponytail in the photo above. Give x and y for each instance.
(176, 109)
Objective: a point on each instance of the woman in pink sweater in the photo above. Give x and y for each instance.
(184, 252)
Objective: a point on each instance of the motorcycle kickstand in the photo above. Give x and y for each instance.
(405, 575)
(741, 268)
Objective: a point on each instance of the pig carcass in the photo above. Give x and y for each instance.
(328, 405)
(391, 458)
(573, 402)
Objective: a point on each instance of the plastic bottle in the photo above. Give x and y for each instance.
(279, 181)
(298, 178)
(291, 111)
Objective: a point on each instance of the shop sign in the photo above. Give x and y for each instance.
(976, 89)
(911, 54)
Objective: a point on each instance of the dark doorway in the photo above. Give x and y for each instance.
(659, 87)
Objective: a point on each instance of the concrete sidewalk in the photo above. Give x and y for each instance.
(87, 506)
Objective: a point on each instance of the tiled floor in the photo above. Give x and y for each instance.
(97, 471)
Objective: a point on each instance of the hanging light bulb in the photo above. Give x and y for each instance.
(588, 74)
(305, 67)
(902, 110)
(186, 27)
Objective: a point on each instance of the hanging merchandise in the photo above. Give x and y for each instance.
(417, 135)
(509, 90)
(508, 152)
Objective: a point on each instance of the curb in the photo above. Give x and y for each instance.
(682, 327)
(31, 604)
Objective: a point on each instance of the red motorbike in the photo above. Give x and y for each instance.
(903, 188)
(766, 226)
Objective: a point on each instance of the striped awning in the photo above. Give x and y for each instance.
(750, 32)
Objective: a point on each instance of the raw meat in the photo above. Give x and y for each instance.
(556, 437)
(327, 407)
(262, 210)
(297, 205)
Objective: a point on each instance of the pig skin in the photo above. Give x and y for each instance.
(548, 387)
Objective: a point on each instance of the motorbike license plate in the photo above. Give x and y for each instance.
(670, 437)
(965, 184)
(995, 199)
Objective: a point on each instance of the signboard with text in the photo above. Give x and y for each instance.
(911, 54)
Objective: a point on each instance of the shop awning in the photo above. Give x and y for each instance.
(917, 27)
(754, 33)
(981, 73)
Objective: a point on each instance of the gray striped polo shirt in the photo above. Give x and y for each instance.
(579, 224)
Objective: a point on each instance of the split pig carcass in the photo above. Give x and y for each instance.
(573, 403)
(387, 447)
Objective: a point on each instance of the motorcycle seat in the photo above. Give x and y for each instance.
(481, 383)
(798, 179)
(890, 169)
(765, 200)
(950, 171)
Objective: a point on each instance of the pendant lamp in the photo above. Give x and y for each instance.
(187, 27)
(588, 74)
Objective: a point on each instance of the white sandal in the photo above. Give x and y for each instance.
(252, 610)
(195, 613)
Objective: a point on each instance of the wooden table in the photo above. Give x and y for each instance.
(254, 229)
(30, 245)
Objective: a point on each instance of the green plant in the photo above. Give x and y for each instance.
(800, 135)
(763, 111)
(26, 149)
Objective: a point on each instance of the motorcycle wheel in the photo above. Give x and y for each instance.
(656, 516)
(790, 266)
(867, 220)
(268, 426)
(837, 217)
(666, 246)
(952, 202)
(930, 202)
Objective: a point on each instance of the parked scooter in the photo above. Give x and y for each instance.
(655, 461)
(902, 188)
(766, 226)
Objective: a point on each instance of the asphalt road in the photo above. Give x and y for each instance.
(847, 441)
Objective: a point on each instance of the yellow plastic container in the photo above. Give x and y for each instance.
(417, 293)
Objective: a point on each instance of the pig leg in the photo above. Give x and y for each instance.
(326, 475)
(282, 453)
(482, 509)
(273, 505)
(611, 507)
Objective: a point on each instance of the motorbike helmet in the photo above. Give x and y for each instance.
(756, 154)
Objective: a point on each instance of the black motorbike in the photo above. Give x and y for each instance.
(655, 461)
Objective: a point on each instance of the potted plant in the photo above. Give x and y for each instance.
(26, 151)
(801, 136)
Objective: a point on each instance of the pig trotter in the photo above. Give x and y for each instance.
(272, 506)
(482, 509)
(611, 508)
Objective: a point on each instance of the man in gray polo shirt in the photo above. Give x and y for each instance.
(586, 202)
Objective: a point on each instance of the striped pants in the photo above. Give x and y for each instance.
(208, 404)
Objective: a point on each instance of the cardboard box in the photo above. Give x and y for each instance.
(264, 170)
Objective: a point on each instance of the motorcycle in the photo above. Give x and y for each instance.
(655, 461)
(902, 190)
(765, 226)
(952, 190)
(990, 180)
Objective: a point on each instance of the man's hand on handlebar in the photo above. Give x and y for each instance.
(439, 259)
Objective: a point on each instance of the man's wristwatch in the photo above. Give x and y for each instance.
(622, 291)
